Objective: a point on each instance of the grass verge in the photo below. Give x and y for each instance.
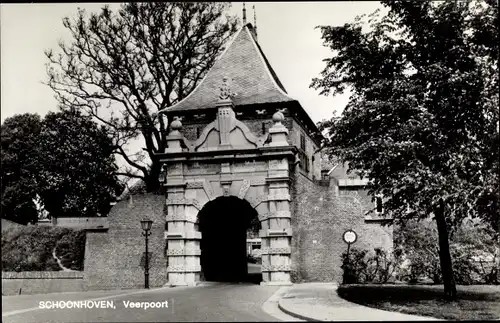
(476, 302)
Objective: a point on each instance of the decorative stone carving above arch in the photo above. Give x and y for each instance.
(236, 134)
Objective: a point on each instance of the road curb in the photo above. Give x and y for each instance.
(271, 306)
(291, 313)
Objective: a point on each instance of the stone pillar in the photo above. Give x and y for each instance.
(183, 251)
(182, 237)
(277, 232)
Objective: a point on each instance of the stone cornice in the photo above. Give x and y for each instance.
(229, 154)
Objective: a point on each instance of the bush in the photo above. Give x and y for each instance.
(353, 265)
(70, 249)
(417, 242)
(30, 248)
(295, 276)
(361, 266)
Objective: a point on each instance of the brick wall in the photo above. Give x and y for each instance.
(112, 258)
(42, 282)
(320, 217)
(361, 194)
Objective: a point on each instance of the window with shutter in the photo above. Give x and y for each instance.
(303, 142)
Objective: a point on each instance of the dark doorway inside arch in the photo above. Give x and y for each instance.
(223, 224)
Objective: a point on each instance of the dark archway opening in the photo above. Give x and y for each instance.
(223, 224)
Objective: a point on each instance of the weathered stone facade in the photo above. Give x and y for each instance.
(228, 160)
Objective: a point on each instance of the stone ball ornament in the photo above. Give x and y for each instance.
(176, 124)
(350, 236)
(278, 117)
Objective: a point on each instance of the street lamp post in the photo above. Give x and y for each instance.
(146, 227)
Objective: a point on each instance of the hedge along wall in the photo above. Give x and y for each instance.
(30, 248)
(320, 216)
(42, 282)
(113, 257)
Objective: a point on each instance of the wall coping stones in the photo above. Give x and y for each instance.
(43, 275)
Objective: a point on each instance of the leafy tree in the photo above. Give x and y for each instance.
(122, 68)
(422, 120)
(19, 163)
(64, 162)
(76, 166)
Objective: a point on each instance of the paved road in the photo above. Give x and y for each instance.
(209, 302)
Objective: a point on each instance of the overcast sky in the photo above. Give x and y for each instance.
(286, 35)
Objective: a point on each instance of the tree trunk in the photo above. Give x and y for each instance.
(152, 180)
(450, 288)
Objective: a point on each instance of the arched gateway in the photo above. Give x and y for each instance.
(223, 224)
(258, 175)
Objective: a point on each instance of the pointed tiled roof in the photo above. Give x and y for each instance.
(249, 72)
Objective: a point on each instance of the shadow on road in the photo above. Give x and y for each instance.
(254, 276)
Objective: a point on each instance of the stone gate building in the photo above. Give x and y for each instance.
(239, 134)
